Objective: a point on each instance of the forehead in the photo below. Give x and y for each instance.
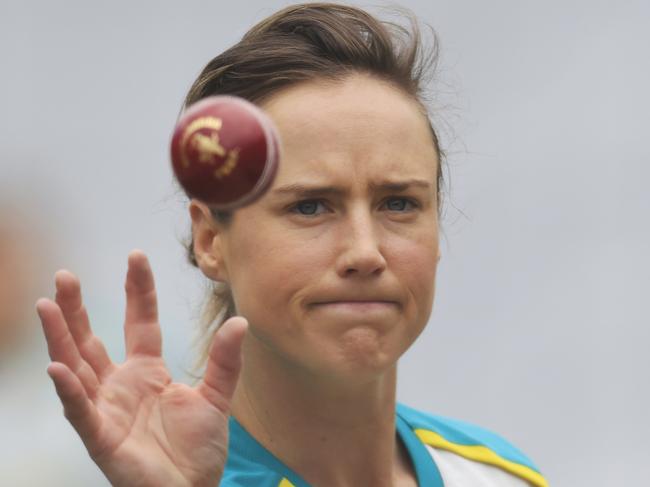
(350, 129)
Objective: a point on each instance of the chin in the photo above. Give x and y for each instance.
(363, 352)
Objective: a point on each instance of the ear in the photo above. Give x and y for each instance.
(207, 239)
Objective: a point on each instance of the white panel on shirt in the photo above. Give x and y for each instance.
(458, 471)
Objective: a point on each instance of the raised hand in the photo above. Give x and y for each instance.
(138, 426)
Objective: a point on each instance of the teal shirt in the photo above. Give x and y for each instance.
(251, 465)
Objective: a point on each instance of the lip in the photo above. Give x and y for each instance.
(357, 306)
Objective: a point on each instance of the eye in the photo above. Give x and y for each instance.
(307, 207)
(314, 207)
(400, 204)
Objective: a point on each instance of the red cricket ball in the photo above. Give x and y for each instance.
(225, 151)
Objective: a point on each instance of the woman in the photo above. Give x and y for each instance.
(320, 286)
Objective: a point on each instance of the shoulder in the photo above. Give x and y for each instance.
(472, 443)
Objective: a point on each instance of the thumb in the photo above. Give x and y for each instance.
(224, 363)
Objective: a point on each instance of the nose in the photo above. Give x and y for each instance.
(360, 252)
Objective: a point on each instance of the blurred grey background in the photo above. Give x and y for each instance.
(540, 327)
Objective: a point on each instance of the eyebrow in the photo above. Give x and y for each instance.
(308, 190)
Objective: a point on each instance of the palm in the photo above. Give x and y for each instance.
(153, 418)
(138, 426)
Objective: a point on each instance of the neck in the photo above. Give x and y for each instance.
(329, 431)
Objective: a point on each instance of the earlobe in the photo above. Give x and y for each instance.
(207, 242)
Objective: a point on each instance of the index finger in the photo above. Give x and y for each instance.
(141, 328)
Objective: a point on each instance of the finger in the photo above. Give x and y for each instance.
(77, 407)
(68, 297)
(61, 345)
(141, 328)
(224, 364)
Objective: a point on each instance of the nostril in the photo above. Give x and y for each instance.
(368, 264)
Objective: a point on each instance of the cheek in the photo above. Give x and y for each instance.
(268, 275)
(415, 263)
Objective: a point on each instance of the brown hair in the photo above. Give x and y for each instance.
(312, 41)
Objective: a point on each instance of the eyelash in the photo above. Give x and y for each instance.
(295, 207)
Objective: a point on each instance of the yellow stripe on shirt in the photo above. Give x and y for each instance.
(482, 454)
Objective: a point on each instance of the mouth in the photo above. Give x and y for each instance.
(357, 306)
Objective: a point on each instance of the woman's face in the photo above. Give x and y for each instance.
(334, 267)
